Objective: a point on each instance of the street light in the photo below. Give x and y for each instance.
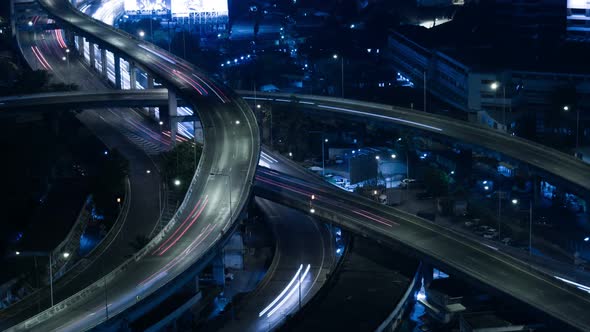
(377, 157)
(393, 156)
(17, 253)
(335, 57)
(177, 182)
(566, 108)
(515, 202)
(141, 34)
(494, 86)
(290, 154)
(66, 254)
(325, 140)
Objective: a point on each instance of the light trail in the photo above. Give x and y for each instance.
(293, 290)
(285, 290)
(347, 110)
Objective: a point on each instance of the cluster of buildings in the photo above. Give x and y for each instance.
(496, 80)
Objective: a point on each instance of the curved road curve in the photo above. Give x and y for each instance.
(222, 182)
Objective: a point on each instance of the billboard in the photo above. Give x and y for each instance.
(146, 6)
(182, 8)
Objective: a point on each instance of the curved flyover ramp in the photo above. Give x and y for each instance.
(225, 172)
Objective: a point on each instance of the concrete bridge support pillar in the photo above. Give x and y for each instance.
(132, 76)
(118, 72)
(150, 85)
(427, 273)
(103, 59)
(172, 112)
(69, 39)
(80, 46)
(92, 56)
(218, 270)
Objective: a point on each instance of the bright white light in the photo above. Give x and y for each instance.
(393, 156)
(566, 108)
(258, 106)
(312, 196)
(63, 58)
(177, 182)
(377, 157)
(326, 140)
(30, 23)
(184, 8)
(515, 201)
(291, 292)
(586, 239)
(580, 286)
(282, 293)
(161, 123)
(148, 171)
(374, 192)
(486, 188)
(494, 85)
(399, 139)
(352, 26)
(67, 50)
(452, 172)
(66, 254)
(142, 34)
(17, 253)
(335, 56)
(290, 154)
(485, 182)
(312, 210)
(237, 122)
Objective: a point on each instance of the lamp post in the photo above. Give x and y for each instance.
(325, 140)
(566, 108)
(516, 202)
(335, 57)
(36, 254)
(495, 86)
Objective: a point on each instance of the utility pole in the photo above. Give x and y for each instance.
(51, 276)
(425, 91)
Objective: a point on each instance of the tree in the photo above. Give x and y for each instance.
(181, 162)
(437, 181)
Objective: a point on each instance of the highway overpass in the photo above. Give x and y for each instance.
(546, 159)
(449, 250)
(225, 170)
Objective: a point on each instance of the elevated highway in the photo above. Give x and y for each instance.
(449, 250)
(546, 159)
(225, 172)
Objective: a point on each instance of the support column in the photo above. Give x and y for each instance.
(103, 59)
(218, 270)
(70, 39)
(150, 85)
(132, 76)
(92, 56)
(172, 111)
(427, 273)
(81, 46)
(117, 72)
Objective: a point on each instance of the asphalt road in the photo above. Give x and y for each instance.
(301, 242)
(562, 165)
(547, 159)
(144, 197)
(225, 170)
(452, 251)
